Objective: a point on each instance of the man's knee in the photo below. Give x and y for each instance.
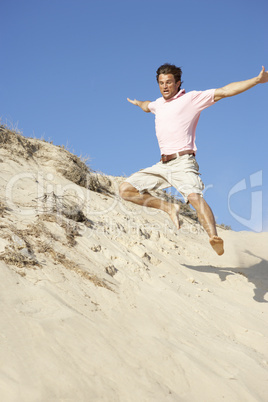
(194, 198)
(124, 189)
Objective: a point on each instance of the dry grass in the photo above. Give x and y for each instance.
(23, 244)
(71, 230)
(17, 143)
(62, 206)
(73, 169)
(3, 209)
(225, 227)
(59, 258)
(14, 257)
(19, 252)
(70, 166)
(185, 209)
(35, 230)
(66, 213)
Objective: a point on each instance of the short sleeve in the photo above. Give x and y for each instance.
(203, 99)
(152, 107)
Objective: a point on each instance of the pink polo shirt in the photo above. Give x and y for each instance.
(176, 119)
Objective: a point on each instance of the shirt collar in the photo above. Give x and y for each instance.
(178, 94)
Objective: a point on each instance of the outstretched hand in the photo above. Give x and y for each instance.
(142, 104)
(263, 76)
(134, 102)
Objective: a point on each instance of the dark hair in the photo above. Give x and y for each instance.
(170, 69)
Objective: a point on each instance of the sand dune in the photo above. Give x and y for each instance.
(102, 300)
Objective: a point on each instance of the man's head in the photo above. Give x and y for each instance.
(169, 80)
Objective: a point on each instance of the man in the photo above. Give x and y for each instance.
(176, 118)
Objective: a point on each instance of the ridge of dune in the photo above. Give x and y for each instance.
(103, 300)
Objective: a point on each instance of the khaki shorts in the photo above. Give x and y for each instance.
(181, 173)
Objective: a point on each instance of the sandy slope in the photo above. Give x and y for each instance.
(120, 306)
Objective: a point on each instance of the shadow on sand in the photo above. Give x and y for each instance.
(256, 274)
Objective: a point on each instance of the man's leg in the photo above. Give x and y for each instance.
(130, 193)
(207, 220)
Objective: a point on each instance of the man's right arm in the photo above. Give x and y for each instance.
(142, 104)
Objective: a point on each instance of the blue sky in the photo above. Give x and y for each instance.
(67, 67)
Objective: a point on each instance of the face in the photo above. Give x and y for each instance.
(167, 85)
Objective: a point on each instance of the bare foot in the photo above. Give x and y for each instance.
(174, 215)
(217, 244)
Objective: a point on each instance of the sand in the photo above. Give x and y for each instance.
(103, 300)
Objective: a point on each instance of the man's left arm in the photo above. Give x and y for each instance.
(236, 88)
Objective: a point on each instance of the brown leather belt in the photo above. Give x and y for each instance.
(167, 158)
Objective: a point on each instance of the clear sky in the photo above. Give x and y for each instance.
(67, 67)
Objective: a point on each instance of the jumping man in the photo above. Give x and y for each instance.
(176, 118)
